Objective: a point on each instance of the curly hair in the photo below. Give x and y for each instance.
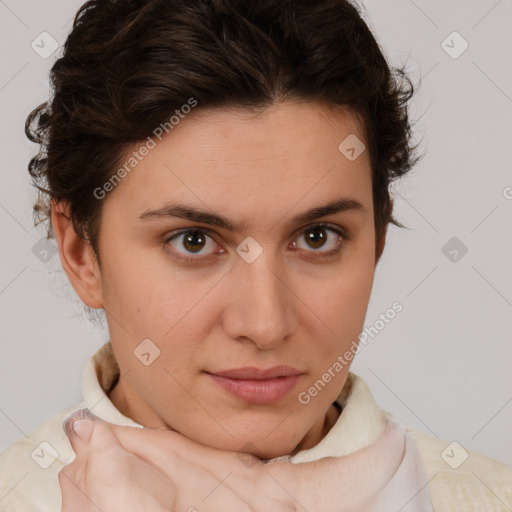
(127, 65)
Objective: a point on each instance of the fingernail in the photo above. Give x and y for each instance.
(71, 423)
(83, 428)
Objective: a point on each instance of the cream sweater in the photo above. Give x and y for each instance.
(458, 479)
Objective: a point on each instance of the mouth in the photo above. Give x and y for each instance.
(258, 386)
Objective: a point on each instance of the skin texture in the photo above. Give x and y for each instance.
(289, 306)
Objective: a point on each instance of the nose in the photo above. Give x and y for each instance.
(261, 305)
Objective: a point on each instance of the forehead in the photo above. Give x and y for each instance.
(228, 159)
(291, 131)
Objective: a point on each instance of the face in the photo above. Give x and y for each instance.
(251, 282)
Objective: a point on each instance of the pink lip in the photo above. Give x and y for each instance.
(258, 386)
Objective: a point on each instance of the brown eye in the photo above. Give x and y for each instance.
(325, 240)
(316, 237)
(190, 242)
(194, 241)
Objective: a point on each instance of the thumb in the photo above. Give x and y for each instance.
(79, 427)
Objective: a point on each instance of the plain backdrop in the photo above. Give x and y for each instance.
(443, 364)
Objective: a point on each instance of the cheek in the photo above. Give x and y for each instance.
(340, 305)
(342, 299)
(342, 312)
(177, 314)
(142, 292)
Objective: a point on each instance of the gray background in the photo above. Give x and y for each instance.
(443, 365)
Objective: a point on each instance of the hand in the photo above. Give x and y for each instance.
(134, 469)
(104, 476)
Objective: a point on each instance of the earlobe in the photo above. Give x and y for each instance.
(77, 257)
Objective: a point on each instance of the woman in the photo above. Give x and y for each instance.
(216, 174)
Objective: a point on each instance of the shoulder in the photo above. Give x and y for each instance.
(29, 468)
(461, 479)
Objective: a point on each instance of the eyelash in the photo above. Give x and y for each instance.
(344, 237)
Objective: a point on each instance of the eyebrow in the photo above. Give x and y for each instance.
(190, 213)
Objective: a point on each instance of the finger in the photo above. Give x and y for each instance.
(165, 449)
(196, 469)
(152, 446)
(73, 498)
(79, 428)
(88, 432)
(102, 438)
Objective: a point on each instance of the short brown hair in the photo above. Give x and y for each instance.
(127, 65)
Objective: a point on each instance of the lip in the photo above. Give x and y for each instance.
(254, 373)
(256, 385)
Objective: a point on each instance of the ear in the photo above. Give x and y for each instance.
(379, 248)
(77, 257)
